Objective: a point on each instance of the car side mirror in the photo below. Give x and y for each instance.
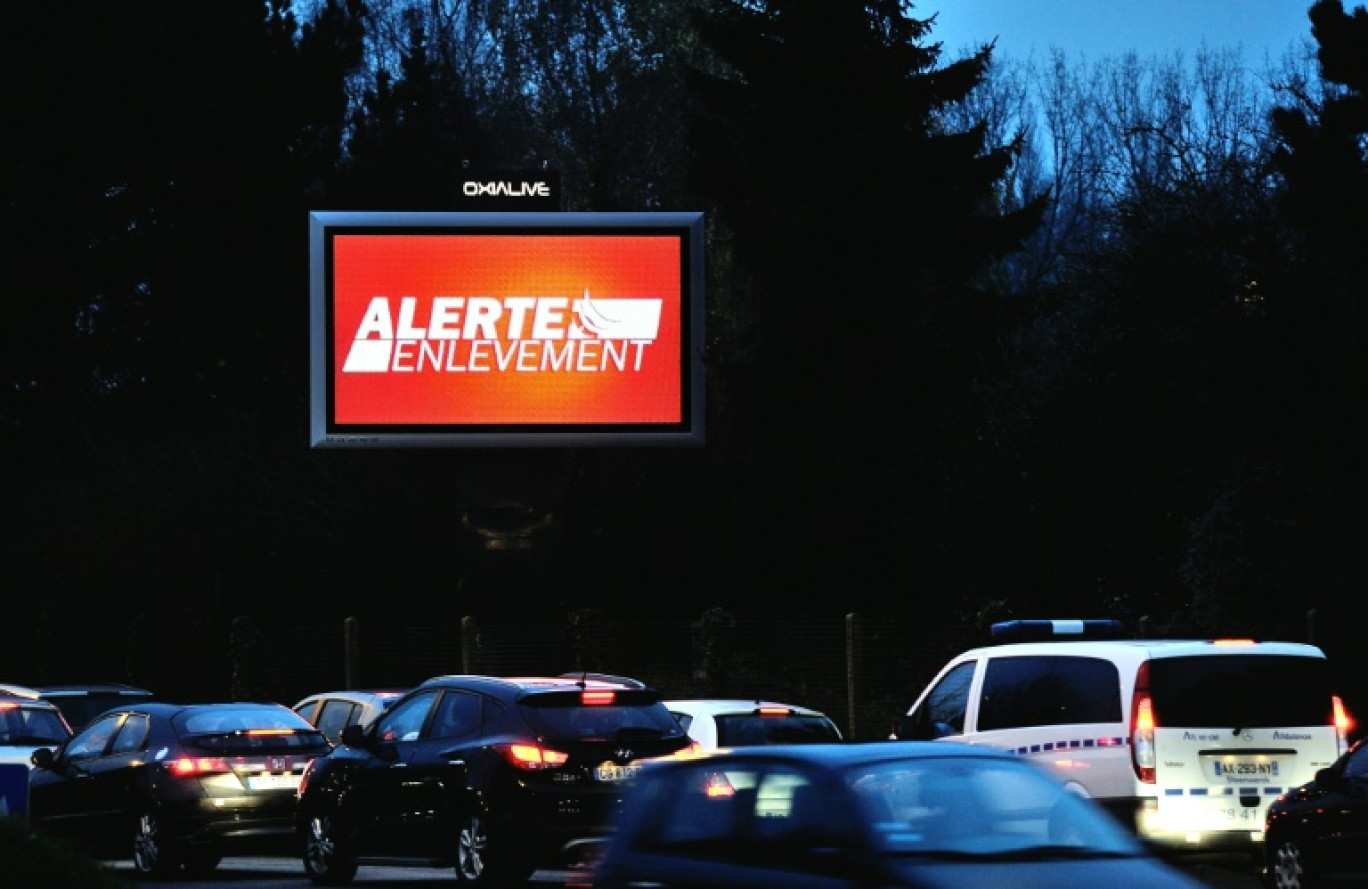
(42, 758)
(353, 736)
(908, 727)
(1327, 777)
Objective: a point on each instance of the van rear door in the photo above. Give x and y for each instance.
(1233, 730)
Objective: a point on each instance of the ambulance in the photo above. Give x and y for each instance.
(1185, 741)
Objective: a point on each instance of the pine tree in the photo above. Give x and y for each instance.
(864, 227)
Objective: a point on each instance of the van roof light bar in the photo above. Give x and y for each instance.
(1059, 630)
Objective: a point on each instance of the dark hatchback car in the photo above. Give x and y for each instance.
(177, 785)
(866, 815)
(1318, 833)
(494, 777)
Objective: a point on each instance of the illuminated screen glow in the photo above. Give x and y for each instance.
(516, 328)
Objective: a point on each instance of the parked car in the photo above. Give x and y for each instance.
(82, 702)
(1186, 741)
(494, 777)
(1318, 832)
(332, 711)
(713, 723)
(177, 785)
(868, 814)
(27, 724)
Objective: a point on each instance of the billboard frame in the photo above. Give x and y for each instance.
(326, 432)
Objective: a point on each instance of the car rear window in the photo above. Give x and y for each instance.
(243, 730)
(565, 714)
(1241, 691)
(747, 729)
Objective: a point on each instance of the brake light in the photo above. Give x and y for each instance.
(1142, 727)
(1344, 723)
(597, 698)
(1232, 642)
(531, 757)
(719, 786)
(8, 705)
(255, 732)
(773, 711)
(189, 766)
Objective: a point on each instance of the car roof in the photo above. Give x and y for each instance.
(843, 754)
(1143, 649)
(27, 702)
(91, 687)
(362, 696)
(171, 708)
(533, 684)
(722, 706)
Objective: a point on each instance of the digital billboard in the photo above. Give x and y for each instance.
(506, 329)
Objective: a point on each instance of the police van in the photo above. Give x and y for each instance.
(1186, 741)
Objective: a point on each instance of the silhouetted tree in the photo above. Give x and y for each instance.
(865, 228)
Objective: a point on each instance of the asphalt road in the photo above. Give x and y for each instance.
(1231, 872)
(288, 873)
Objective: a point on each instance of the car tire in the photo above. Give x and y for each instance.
(481, 859)
(151, 858)
(327, 859)
(1287, 866)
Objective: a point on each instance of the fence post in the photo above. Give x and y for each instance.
(470, 644)
(351, 653)
(852, 630)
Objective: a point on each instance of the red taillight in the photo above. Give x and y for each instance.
(1142, 727)
(531, 757)
(189, 766)
(597, 698)
(1344, 723)
(718, 786)
(774, 711)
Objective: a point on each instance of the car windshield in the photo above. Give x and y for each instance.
(952, 807)
(31, 725)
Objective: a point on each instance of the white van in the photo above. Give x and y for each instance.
(1185, 741)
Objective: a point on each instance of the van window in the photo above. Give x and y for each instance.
(943, 711)
(1031, 690)
(1241, 691)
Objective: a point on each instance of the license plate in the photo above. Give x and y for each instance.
(1236, 771)
(273, 782)
(613, 772)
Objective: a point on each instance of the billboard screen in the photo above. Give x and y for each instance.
(506, 329)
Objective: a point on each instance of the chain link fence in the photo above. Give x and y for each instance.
(861, 670)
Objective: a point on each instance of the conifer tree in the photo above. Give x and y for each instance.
(865, 228)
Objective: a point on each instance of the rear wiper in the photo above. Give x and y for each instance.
(628, 733)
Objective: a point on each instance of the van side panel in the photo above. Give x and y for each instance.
(1063, 710)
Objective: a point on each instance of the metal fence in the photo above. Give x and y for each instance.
(860, 669)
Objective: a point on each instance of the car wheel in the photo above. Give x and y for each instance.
(481, 859)
(150, 855)
(1287, 866)
(327, 862)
